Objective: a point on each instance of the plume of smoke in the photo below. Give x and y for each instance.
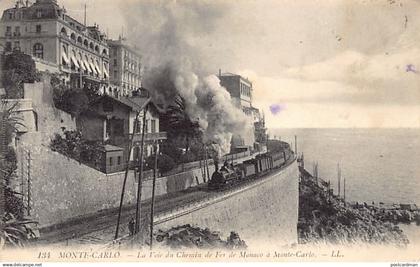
(166, 32)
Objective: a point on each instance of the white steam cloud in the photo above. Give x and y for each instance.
(165, 32)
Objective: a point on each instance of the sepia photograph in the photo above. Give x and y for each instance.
(187, 131)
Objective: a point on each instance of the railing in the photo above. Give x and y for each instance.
(150, 137)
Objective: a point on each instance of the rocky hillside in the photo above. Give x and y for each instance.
(326, 219)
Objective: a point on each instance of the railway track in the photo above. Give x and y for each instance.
(99, 228)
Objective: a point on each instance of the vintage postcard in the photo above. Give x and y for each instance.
(209, 131)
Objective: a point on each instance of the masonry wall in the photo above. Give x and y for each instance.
(61, 188)
(264, 214)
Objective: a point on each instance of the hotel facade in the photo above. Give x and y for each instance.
(57, 42)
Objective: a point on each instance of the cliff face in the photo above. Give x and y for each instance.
(326, 219)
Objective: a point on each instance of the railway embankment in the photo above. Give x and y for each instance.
(327, 219)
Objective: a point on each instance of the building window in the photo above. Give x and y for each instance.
(146, 129)
(138, 126)
(153, 126)
(39, 13)
(118, 127)
(115, 62)
(8, 46)
(79, 40)
(38, 51)
(17, 31)
(110, 161)
(38, 28)
(8, 31)
(119, 160)
(136, 153)
(16, 46)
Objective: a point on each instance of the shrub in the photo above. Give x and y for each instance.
(169, 148)
(74, 146)
(73, 101)
(165, 163)
(18, 68)
(188, 157)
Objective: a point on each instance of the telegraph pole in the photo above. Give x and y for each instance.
(152, 207)
(29, 183)
(139, 186)
(85, 16)
(344, 190)
(207, 165)
(130, 148)
(339, 178)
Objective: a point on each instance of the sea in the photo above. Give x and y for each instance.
(379, 165)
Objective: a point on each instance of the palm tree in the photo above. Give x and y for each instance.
(178, 123)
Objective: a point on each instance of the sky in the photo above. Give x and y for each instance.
(332, 64)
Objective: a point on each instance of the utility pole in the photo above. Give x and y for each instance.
(29, 184)
(344, 190)
(329, 190)
(152, 207)
(296, 145)
(130, 148)
(3, 149)
(207, 165)
(85, 16)
(339, 178)
(139, 186)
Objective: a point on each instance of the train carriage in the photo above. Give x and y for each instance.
(251, 168)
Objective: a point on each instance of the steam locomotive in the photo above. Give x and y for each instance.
(253, 168)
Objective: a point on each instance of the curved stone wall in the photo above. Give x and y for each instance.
(262, 213)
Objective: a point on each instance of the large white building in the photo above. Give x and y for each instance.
(125, 66)
(56, 41)
(240, 90)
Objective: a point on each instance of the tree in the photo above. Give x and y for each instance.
(178, 123)
(17, 69)
(165, 163)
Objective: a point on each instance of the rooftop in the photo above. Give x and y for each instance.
(46, 10)
(229, 74)
(123, 43)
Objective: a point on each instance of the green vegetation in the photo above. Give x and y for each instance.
(74, 146)
(165, 163)
(72, 100)
(16, 230)
(17, 69)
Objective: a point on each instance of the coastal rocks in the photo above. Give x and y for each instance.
(326, 219)
(186, 236)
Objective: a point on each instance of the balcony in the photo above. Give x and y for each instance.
(150, 137)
